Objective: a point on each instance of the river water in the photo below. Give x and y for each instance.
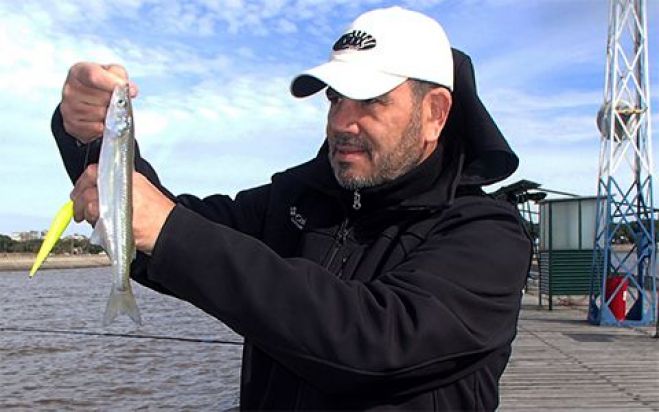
(55, 354)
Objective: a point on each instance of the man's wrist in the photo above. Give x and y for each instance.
(159, 219)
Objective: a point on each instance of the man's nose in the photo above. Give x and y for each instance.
(343, 116)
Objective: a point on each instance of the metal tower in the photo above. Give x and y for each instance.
(623, 284)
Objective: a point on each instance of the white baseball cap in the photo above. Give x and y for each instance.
(379, 51)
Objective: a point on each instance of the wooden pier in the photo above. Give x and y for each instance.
(561, 362)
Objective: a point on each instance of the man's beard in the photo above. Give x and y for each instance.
(403, 158)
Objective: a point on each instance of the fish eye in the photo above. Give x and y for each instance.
(121, 103)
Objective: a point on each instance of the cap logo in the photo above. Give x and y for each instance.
(356, 39)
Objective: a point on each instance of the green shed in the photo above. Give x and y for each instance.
(567, 239)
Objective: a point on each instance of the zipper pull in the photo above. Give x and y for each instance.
(356, 200)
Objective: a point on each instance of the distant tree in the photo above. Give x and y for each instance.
(63, 245)
(85, 246)
(26, 246)
(6, 243)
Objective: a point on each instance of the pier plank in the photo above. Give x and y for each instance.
(560, 361)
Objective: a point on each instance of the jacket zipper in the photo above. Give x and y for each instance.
(356, 200)
(342, 233)
(339, 241)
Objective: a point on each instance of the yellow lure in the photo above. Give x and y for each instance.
(60, 222)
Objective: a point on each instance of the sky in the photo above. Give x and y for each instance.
(214, 113)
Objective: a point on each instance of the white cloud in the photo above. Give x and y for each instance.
(226, 110)
(263, 132)
(286, 26)
(202, 18)
(568, 165)
(567, 117)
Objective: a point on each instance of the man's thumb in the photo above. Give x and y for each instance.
(122, 77)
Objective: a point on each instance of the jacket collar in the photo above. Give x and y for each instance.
(426, 186)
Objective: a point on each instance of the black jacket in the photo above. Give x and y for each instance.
(403, 296)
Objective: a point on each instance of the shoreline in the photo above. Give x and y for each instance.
(23, 261)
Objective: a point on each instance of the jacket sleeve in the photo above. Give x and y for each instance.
(452, 303)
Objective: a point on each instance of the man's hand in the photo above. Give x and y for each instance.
(150, 210)
(85, 196)
(86, 95)
(150, 206)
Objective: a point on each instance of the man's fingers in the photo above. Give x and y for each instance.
(85, 196)
(133, 90)
(83, 110)
(84, 123)
(91, 210)
(117, 70)
(121, 73)
(85, 131)
(78, 90)
(79, 110)
(85, 207)
(99, 77)
(87, 179)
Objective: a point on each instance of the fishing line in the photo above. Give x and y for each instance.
(122, 335)
(87, 150)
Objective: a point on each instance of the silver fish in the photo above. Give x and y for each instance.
(113, 230)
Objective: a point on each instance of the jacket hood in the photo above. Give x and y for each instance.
(472, 134)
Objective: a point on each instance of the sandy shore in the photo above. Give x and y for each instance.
(24, 261)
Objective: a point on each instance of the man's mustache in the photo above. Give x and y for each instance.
(357, 142)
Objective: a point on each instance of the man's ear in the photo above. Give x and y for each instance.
(437, 103)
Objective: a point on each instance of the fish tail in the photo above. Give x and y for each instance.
(121, 302)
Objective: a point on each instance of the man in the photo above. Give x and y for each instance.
(375, 276)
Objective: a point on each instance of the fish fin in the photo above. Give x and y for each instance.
(121, 302)
(57, 227)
